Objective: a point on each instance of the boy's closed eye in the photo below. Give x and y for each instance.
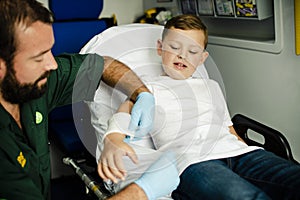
(193, 52)
(174, 47)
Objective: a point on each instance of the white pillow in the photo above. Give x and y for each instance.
(134, 45)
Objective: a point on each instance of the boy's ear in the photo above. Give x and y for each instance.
(2, 68)
(159, 47)
(205, 55)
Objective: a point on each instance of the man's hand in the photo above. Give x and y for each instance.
(142, 114)
(161, 178)
(111, 165)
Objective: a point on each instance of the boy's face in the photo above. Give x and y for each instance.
(182, 51)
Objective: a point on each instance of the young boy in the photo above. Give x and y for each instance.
(192, 121)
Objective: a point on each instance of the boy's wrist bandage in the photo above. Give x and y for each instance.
(119, 123)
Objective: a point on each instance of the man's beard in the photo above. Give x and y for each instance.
(16, 93)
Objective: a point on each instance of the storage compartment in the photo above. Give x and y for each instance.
(235, 9)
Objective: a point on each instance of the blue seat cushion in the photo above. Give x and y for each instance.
(75, 9)
(71, 36)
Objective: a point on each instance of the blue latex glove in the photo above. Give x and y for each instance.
(161, 178)
(142, 114)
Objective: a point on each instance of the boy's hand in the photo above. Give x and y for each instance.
(110, 165)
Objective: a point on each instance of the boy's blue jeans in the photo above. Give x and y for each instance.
(255, 175)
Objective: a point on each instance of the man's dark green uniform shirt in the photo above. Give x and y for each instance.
(24, 154)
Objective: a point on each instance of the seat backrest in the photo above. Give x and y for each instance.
(75, 23)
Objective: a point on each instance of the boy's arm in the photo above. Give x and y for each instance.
(110, 164)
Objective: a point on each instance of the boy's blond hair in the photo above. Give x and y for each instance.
(186, 22)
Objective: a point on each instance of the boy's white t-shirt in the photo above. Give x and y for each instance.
(192, 120)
